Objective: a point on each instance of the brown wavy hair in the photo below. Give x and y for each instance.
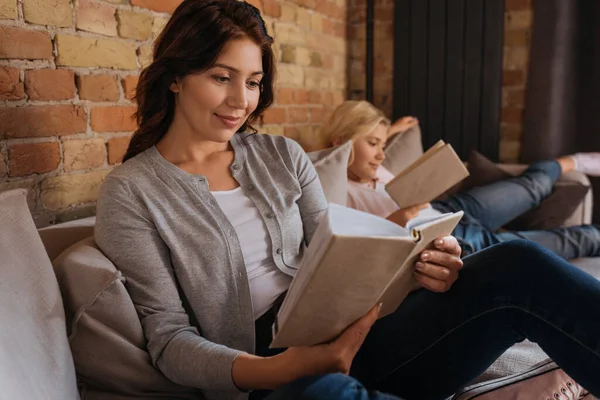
(191, 42)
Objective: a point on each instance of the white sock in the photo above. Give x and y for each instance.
(587, 163)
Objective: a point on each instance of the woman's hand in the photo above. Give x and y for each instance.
(403, 124)
(252, 372)
(336, 356)
(437, 269)
(403, 215)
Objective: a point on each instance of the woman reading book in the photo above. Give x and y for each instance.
(487, 208)
(208, 222)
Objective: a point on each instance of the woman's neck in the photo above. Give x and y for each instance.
(182, 144)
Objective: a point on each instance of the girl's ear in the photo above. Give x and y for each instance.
(336, 142)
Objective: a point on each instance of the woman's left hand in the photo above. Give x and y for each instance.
(437, 269)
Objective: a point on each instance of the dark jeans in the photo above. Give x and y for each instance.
(487, 208)
(436, 343)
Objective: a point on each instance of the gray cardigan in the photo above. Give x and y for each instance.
(182, 259)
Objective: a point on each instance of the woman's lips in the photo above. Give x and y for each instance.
(229, 122)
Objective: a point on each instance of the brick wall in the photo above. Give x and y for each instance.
(518, 23)
(517, 37)
(68, 69)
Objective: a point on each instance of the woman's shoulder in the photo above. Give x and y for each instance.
(132, 172)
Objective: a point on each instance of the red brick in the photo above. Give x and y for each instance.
(113, 119)
(298, 114)
(33, 158)
(301, 96)
(24, 44)
(285, 96)
(117, 148)
(510, 132)
(513, 78)
(272, 8)
(129, 86)
(517, 37)
(39, 121)
(166, 6)
(98, 87)
(50, 84)
(10, 87)
(314, 97)
(317, 114)
(511, 5)
(274, 115)
(512, 115)
(339, 29)
(515, 97)
(328, 27)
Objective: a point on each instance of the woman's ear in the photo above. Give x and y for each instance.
(175, 86)
(336, 142)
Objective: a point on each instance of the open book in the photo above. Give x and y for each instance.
(436, 171)
(354, 261)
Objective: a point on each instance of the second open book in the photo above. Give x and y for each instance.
(354, 261)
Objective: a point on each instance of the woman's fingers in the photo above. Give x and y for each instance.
(435, 285)
(448, 244)
(443, 259)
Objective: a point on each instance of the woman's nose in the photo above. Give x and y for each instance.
(238, 98)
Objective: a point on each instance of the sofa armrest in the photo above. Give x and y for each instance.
(583, 213)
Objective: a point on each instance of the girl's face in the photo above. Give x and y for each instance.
(368, 155)
(215, 103)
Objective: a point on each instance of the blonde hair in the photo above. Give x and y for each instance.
(351, 120)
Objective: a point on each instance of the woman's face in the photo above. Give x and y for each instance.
(215, 103)
(368, 154)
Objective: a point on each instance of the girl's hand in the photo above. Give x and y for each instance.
(437, 269)
(403, 124)
(403, 215)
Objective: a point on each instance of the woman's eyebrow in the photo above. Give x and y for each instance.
(237, 71)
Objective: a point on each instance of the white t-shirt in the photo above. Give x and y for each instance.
(267, 282)
(373, 199)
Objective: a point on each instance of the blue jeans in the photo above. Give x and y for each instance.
(436, 343)
(488, 208)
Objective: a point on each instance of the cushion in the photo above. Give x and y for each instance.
(332, 166)
(552, 212)
(105, 334)
(35, 361)
(403, 149)
(483, 171)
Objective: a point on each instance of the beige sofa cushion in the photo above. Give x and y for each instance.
(35, 360)
(105, 334)
(332, 165)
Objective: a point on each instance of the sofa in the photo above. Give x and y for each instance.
(69, 329)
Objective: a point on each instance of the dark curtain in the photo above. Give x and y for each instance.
(562, 110)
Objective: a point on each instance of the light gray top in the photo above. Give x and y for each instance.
(164, 230)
